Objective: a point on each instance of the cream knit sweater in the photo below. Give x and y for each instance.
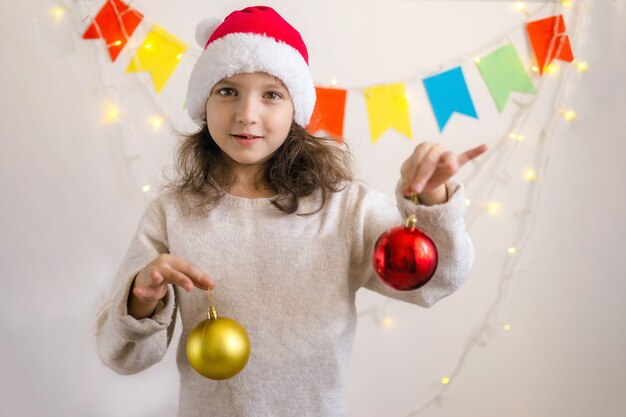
(289, 280)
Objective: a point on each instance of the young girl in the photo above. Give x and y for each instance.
(269, 217)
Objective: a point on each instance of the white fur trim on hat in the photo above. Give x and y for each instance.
(238, 53)
(205, 29)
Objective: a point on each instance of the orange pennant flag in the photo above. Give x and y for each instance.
(328, 114)
(115, 22)
(549, 41)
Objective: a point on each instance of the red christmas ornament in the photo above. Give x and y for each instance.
(405, 258)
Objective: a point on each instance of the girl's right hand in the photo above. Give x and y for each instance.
(150, 284)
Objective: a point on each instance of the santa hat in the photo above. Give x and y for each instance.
(255, 39)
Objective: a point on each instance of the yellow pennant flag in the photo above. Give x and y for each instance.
(159, 54)
(387, 107)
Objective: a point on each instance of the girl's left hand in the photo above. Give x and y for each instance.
(426, 171)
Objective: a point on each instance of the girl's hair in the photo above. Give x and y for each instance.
(302, 165)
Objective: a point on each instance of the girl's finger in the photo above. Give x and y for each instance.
(426, 168)
(197, 277)
(414, 164)
(471, 154)
(147, 293)
(178, 278)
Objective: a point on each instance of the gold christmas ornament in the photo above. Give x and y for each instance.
(218, 347)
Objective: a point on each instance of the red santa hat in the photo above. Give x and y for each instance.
(255, 39)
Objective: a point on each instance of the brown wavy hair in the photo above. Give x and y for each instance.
(302, 165)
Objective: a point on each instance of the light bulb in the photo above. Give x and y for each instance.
(506, 327)
(569, 115)
(156, 121)
(520, 6)
(58, 13)
(333, 81)
(530, 174)
(146, 188)
(111, 112)
(582, 66)
(512, 250)
(445, 380)
(494, 208)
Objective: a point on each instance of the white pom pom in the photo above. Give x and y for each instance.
(205, 29)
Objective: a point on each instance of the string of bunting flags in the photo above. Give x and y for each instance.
(502, 71)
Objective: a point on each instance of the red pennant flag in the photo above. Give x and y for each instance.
(549, 41)
(107, 25)
(329, 111)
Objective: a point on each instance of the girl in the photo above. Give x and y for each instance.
(269, 216)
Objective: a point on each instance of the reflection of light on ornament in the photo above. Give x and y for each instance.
(156, 121)
(146, 188)
(388, 322)
(445, 380)
(494, 208)
(512, 250)
(582, 66)
(111, 112)
(58, 13)
(530, 174)
(520, 6)
(569, 115)
(506, 327)
(179, 56)
(551, 69)
(333, 81)
(516, 136)
(467, 201)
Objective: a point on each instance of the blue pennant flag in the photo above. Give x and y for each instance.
(448, 93)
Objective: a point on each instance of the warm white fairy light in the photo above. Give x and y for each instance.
(111, 112)
(512, 251)
(145, 188)
(445, 380)
(477, 59)
(334, 82)
(388, 322)
(506, 327)
(551, 68)
(520, 6)
(535, 68)
(156, 122)
(530, 174)
(516, 136)
(494, 208)
(582, 66)
(467, 202)
(568, 115)
(57, 13)
(180, 56)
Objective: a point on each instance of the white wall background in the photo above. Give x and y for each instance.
(71, 199)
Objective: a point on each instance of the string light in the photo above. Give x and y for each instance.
(180, 56)
(530, 174)
(494, 208)
(568, 115)
(445, 380)
(551, 69)
(520, 6)
(111, 112)
(506, 327)
(57, 13)
(156, 121)
(388, 322)
(334, 82)
(477, 59)
(516, 136)
(467, 201)
(582, 66)
(535, 68)
(145, 188)
(512, 250)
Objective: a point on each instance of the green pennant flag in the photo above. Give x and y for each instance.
(504, 73)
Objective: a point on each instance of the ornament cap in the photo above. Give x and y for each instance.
(212, 313)
(411, 221)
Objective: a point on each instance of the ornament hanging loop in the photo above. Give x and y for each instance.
(411, 221)
(212, 314)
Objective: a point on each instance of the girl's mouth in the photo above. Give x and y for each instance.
(246, 140)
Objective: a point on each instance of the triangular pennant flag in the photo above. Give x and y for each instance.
(387, 107)
(328, 114)
(159, 54)
(448, 93)
(504, 73)
(549, 40)
(115, 22)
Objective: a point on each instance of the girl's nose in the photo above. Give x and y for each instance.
(248, 110)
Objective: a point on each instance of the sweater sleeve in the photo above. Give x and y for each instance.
(442, 222)
(125, 344)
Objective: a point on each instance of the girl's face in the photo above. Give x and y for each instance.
(249, 117)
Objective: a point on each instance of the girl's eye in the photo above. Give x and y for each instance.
(272, 95)
(226, 92)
